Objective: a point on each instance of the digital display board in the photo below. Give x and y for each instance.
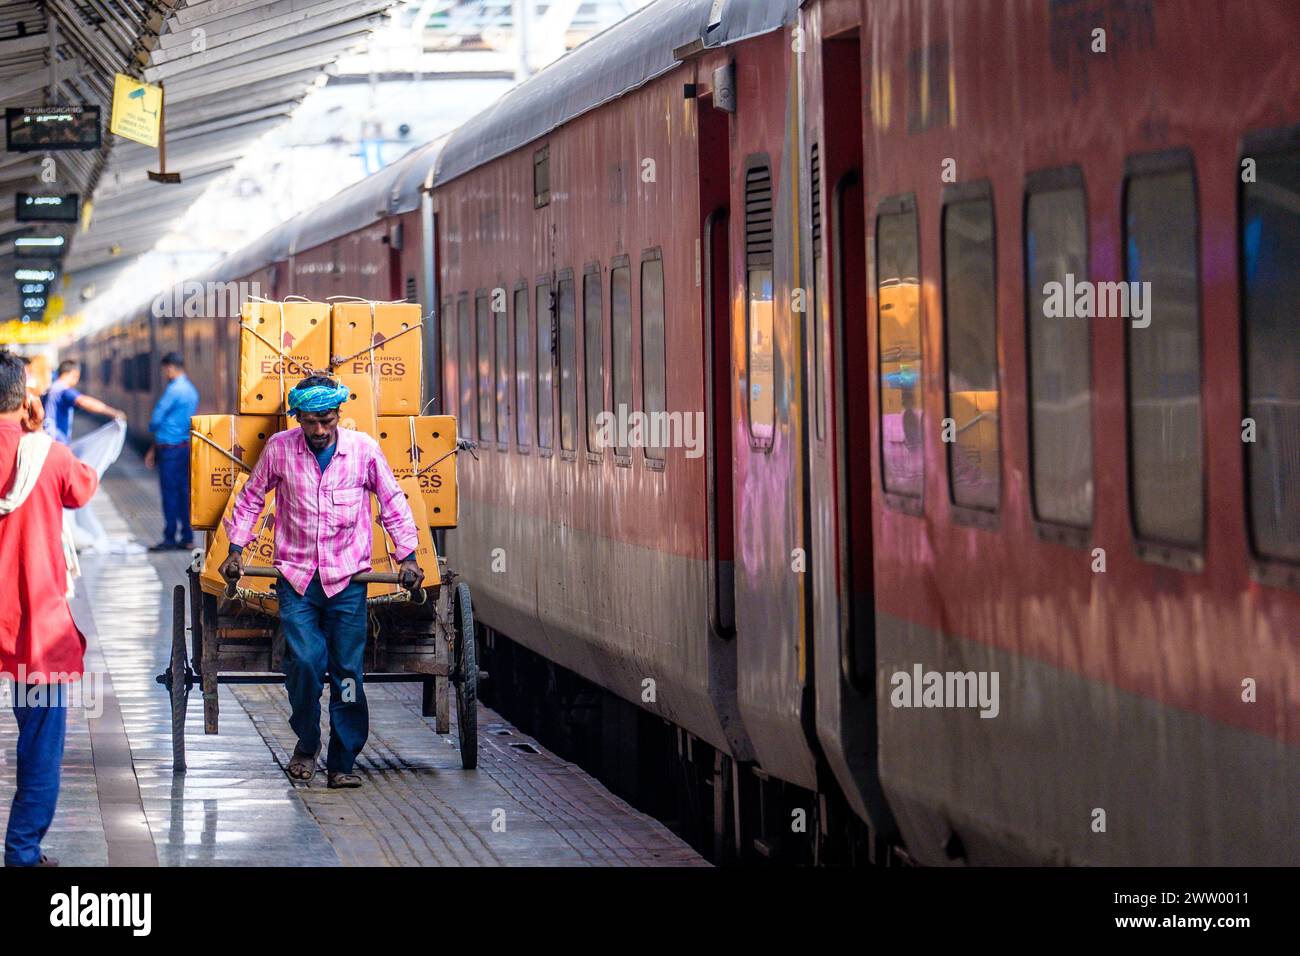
(38, 129)
(60, 208)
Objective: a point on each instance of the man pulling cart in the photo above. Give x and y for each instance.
(322, 477)
(313, 507)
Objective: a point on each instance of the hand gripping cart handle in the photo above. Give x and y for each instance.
(365, 577)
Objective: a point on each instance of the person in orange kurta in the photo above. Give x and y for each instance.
(40, 646)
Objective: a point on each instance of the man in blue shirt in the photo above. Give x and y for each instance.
(170, 424)
(63, 397)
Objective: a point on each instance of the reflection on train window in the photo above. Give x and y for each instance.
(971, 352)
(1164, 357)
(568, 364)
(501, 340)
(465, 372)
(483, 327)
(620, 310)
(593, 350)
(1270, 250)
(654, 384)
(523, 376)
(1060, 421)
(545, 362)
(898, 296)
(762, 380)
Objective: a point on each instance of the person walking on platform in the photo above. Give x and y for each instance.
(322, 476)
(63, 397)
(170, 424)
(41, 649)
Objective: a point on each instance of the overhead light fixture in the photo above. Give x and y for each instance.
(47, 242)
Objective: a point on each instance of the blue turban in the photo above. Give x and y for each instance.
(317, 398)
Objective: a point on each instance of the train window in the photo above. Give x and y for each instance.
(1270, 249)
(593, 350)
(820, 303)
(568, 323)
(483, 341)
(620, 311)
(898, 298)
(1164, 355)
(758, 313)
(542, 177)
(654, 370)
(971, 348)
(1060, 414)
(501, 341)
(465, 373)
(543, 310)
(523, 370)
(106, 371)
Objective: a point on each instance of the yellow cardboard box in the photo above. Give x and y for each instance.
(380, 553)
(259, 553)
(397, 358)
(425, 553)
(212, 474)
(358, 412)
(280, 344)
(411, 443)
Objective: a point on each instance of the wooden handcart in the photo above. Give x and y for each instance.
(424, 636)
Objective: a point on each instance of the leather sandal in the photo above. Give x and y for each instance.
(302, 767)
(342, 781)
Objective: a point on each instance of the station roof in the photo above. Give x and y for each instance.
(231, 70)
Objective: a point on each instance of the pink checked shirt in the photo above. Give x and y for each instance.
(322, 521)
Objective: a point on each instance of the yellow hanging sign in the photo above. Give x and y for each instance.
(137, 109)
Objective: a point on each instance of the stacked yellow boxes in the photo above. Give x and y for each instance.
(375, 349)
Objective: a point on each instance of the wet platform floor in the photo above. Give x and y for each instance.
(120, 803)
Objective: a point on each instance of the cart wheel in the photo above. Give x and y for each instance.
(179, 688)
(465, 677)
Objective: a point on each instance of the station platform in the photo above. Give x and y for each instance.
(121, 805)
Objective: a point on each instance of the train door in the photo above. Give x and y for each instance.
(841, 440)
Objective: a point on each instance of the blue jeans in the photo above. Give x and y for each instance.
(173, 463)
(323, 633)
(41, 730)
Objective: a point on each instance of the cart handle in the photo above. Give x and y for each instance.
(365, 577)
